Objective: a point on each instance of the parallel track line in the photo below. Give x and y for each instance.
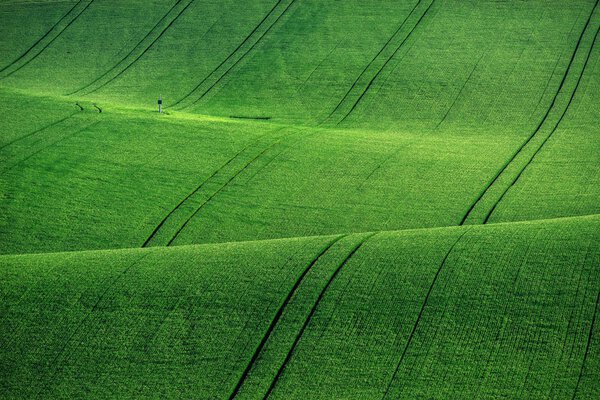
(311, 314)
(277, 317)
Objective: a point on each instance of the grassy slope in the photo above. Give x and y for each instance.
(316, 181)
(565, 174)
(136, 168)
(133, 170)
(514, 302)
(96, 36)
(16, 40)
(433, 99)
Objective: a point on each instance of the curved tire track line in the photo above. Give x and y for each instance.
(302, 137)
(89, 314)
(386, 63)
(162, 222)
(381, 164)
(38, 130)
(41, 38)
(311, 314)
(541, 98)
(587, 347)
(114, 67)
(143, 52)
(537, 129)
(68, 136)
(50, 42)
(364, 71)
(278, 315)
(460, 92)
(232, 54)
(319, 65)
(549, 135)
(219, 191)
(419, 317)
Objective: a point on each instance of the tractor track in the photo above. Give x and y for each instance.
(44, 47)
(68, 136)
(206, 181)
(311, 314)
(419, 317)
(364, 71)
(221, 168)
(549, 135)
(278, 315)
(538, 127)
(374, 78)
(89, 314)
(38, 130)
(460, 91)
(41, 38)
(587, 346)
(232, 54)
(290, 145)
(137, 46)
(187, 221)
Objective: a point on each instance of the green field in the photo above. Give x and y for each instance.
(341, 200)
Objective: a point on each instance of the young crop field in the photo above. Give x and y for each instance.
(391, 199)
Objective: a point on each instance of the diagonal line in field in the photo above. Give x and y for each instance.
(278, 315)
(158, 228)
(40, 39)
(311, 314)
(138, 46)
(421, 311)
(587, 346)
(539, 126)
(460, 91)
(374, 78)
(89, 314)
(68, 136)
(515, 180)
(364, 71)
(33, 48)
(237, 50)
(184, 225)
(193, 192)
(35, 132)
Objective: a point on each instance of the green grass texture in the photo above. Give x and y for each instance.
(504, 310)
(341, 200)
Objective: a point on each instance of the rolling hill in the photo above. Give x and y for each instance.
(342, 199)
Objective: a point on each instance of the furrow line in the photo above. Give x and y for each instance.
(193, 192)
(364, 92)
(460, 92)
(41, 38)
(516, 179)
(587, 346)
(37, 131)
(219, 191)
(311, 314)
(68, 136)
(144, 51)
(232, 55)
(538, 127)
(277, 317)
(364, 71)
(44, 47)
(138, 46)
(421, 311)
(89, 314)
